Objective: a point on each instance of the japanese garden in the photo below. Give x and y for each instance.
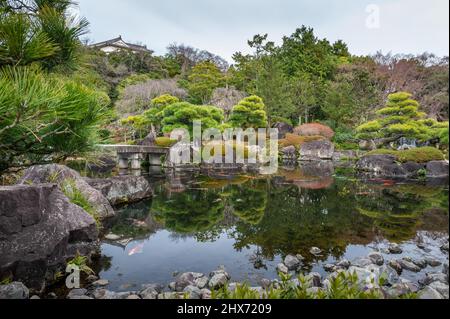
(94, 206)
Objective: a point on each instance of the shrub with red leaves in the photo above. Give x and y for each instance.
(314, 129)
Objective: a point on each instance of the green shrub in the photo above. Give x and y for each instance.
(82, 263)
(419, 155)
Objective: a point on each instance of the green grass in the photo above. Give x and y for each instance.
(343, 286)
(76, 197)
(418, 155)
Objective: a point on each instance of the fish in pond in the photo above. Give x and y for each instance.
(139, 249)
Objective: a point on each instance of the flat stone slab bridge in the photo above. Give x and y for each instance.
(134, 155)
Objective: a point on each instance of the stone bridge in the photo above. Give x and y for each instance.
(134, 155)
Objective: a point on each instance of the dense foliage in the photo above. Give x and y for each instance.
(45, 115)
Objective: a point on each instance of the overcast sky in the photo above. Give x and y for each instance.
(224, 26)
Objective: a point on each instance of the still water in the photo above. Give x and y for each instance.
(250, 223)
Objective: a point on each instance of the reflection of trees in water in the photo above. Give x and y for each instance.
(189, 212)
(399, 212)
(248, 202)
(297, 219)
(281, 218)
(124, 224)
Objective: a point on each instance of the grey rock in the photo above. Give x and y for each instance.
(35, 297)
(433, 262)
(123, 189)
(344, 264)
(265, 283)
(445, 247)
(394, 264)
(92, 278)
(101, 283)
(292, 262)
(400, 289)
(318, 150)
(395, 249)
(14, 291)
(112, 237)
(430, 278)
(109, 295)
(76, 293)
(184, 280)
(193, 292)
(289, 153)
(282, 269)
(218, 281)
(363, 262)
(329, 268)
(149, 293)
(283, 129)
(381, 165)
(314, 279)
(429, 293)
(52, 230)
(206, 294)
(437, 169)
(61, 175)
(201, 282)
(407, 265)
(315, 251)
(421, 263)
(376, 258)
(440, 287)
(133, 297)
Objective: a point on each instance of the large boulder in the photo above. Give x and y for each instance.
(283, 129)
(437, 169)
(317, 150)
(39, 230)
(383, 165)
(123, 189)
(14, 291)
(62, 175)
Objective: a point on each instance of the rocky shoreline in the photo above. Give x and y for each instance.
(380, 272)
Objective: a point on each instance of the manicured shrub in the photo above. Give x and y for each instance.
(401, 118)
(314, 129)
(249, 113)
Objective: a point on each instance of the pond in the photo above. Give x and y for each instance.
(250, 223)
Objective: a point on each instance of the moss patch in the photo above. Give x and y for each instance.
(418, 155)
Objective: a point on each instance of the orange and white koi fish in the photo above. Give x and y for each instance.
(139, 249)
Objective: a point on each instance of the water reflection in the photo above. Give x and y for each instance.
(246, 222)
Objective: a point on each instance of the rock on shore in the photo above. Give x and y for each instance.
(123, 189)
(60, 175)
(39, 230)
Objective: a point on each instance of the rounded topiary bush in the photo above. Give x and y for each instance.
(314, 129)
